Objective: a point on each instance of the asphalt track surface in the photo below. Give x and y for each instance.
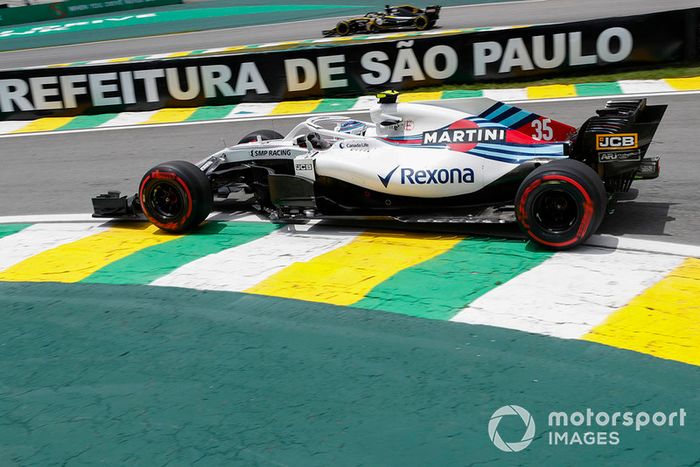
(58, 173)
(508, 13)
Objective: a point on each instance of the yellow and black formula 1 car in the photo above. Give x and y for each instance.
(393, 18)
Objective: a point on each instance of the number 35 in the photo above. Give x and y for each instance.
(542, 130)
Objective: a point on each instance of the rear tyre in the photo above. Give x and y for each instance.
(265, 135)
(175, 196)
(343, 28)
(422, 22)
(560, 204)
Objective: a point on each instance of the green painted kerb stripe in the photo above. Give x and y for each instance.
(87, 121)
(460, 93)
(442, 286)
(335, 105)
(151, 263)
(211, 112)
(598, 89)
(10, 229)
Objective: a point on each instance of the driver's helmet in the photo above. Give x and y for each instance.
(353, 127)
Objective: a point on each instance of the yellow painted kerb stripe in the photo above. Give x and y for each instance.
(345, 275)
(75, 261)
(395, 36)
(119, 59)
(551, 91)
(234, 48)
(420, 96)
(663, 321)
(295, 107)
(170, 115)
(179, 54)
(45, 124)
(684, 84)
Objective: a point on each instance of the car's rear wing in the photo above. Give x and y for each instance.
(432, 11)
(615, 142)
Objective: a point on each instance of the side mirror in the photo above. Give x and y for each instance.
(390, 120)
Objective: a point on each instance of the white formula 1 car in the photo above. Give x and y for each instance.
(465, 160)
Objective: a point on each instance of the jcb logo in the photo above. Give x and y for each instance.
(613, 142)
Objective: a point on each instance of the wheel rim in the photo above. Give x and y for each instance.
(166, 201)
(556, 211)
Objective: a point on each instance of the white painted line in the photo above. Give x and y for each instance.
(41, 237)
(638, 244)
(157, 125)
(128, 118)
(159, 56)
(506, 94)
(241, 216)
(272, 44)
(240, 268)
(99, 62)
(213, 51)
(364, 103)
(36, 218)
(9, 126)
(637, 86)
(439, 32)
(251, 110)
(570, 293)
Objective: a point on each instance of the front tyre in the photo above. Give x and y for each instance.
(343, 28)
(560, 204)
(176, 196)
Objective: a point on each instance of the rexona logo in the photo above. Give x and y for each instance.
(410, 176)
(465, 135)
(270, 152)
(614, 142)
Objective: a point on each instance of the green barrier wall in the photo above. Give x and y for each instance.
(73, 8)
